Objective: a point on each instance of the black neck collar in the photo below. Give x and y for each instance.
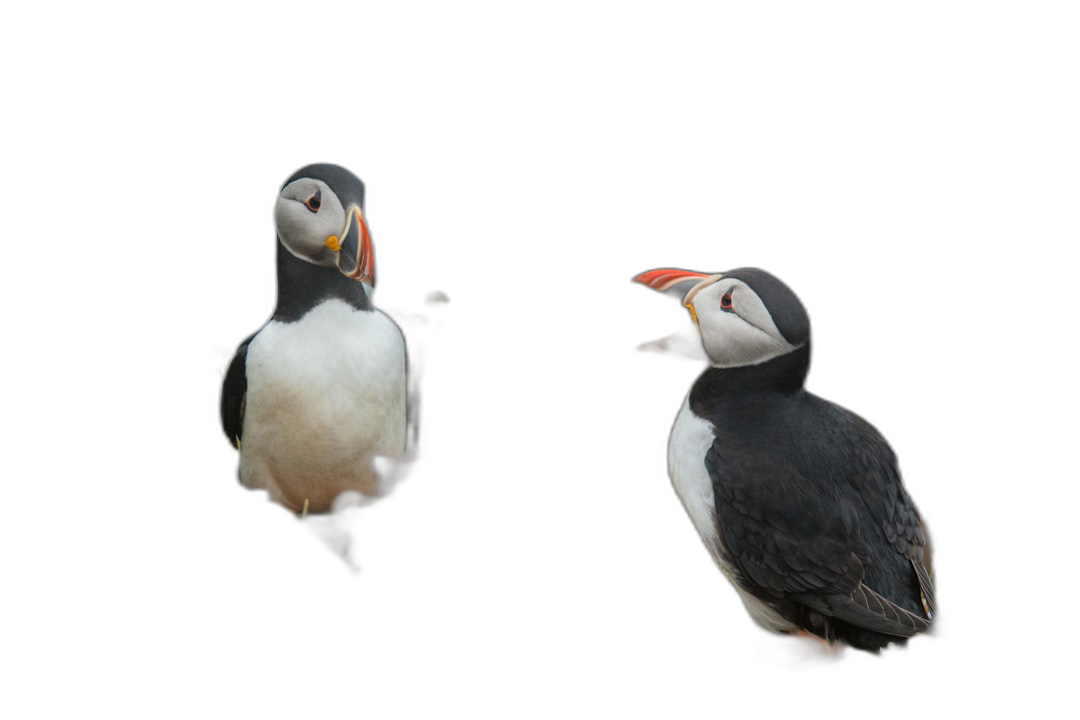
(302, 286)
(782, 375)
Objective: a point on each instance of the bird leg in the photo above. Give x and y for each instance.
(810, 648)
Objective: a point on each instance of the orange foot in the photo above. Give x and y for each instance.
(809, 648)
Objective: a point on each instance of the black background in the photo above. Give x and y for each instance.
(539, 539)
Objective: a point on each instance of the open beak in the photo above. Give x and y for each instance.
(356, 258)
(676, 284)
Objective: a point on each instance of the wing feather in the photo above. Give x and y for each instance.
(787, 540)
(234, 393)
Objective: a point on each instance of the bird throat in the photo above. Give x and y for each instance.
(302, 286)
(782, 375)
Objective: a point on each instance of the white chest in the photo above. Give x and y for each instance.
(324, 392)
(691, 438)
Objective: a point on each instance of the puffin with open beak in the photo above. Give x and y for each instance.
(798, 500)
(320, 390)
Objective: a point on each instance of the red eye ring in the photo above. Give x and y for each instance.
(725, 302)
(314, 202)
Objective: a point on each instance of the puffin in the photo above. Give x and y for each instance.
(798, 500)
(319, 391)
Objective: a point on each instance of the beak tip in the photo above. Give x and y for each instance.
(673, 283)
(357, 259)
(651, 278)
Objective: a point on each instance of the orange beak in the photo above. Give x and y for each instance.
(664, 279)
(357, 257)
(675, 284)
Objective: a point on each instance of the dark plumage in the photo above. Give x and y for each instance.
(808, 514)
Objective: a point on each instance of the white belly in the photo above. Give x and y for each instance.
(325, 394)
(691, 437)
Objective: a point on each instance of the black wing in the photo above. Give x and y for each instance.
(788, 541)
(877, 482)
(233, 394)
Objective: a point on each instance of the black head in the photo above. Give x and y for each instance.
(320, 220)
(745, 316)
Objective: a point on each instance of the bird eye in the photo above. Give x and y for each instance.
(314, 202)
(725, 302)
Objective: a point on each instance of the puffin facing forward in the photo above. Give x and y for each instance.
(311, 397)
(799, 501)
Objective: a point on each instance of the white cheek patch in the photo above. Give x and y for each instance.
(747, 336)
(302, 232)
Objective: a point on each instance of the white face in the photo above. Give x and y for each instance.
(307, 214)
(736, 328)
